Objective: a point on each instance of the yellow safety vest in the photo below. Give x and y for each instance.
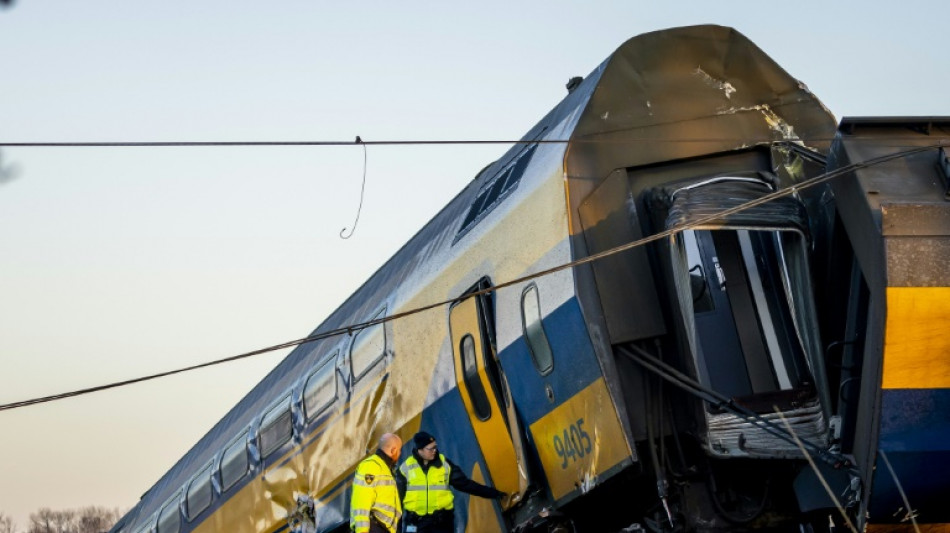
(374, 495)
(427, 492)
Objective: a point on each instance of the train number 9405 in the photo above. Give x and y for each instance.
(573, 443)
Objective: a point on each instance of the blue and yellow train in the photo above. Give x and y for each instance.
(686, 299)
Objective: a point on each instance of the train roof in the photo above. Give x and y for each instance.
(662, 93)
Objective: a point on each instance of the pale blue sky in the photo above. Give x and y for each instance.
(119, 262)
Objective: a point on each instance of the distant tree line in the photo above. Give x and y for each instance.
(91, 519)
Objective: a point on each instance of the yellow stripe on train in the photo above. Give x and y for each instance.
(916, 343)
(580, 440)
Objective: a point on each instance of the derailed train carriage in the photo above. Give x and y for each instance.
(748, 286)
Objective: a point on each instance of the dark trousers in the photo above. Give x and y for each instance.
(439, 522)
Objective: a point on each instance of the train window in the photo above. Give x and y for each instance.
(276, 427)
(534, 331)
(496, 190)
(198, 496)
(320, 389)
(473, 383)
(169, 520)
(234, 462)
(368, 348)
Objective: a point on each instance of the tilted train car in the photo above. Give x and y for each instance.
(676, 382)
(888, 297)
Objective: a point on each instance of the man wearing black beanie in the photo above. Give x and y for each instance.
(423, 481)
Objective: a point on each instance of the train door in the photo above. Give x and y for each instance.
(745, 297)
(484, 390)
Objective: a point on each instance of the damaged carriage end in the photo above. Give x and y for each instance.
(727, 302)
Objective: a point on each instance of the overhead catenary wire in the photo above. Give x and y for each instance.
(411, 142)
(405, 142)
(584, 260)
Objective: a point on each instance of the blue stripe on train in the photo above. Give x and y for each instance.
(915, 420)
(575, 365)
(915, 435)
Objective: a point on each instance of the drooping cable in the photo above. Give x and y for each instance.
(362, 191)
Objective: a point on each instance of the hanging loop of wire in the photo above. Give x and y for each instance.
(362, 191)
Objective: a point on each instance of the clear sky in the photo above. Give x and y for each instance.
(121, 262)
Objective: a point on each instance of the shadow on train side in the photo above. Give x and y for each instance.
(769, 323)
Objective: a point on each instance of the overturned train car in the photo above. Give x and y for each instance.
(683, 301)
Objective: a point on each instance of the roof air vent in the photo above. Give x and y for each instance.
(573, 83)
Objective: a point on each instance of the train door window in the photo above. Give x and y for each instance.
(473, 384)
(320, 390)
(234, 462)
(169, 520)
(276, 427)
(198, 495)
(368, 348)
(534, 331)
